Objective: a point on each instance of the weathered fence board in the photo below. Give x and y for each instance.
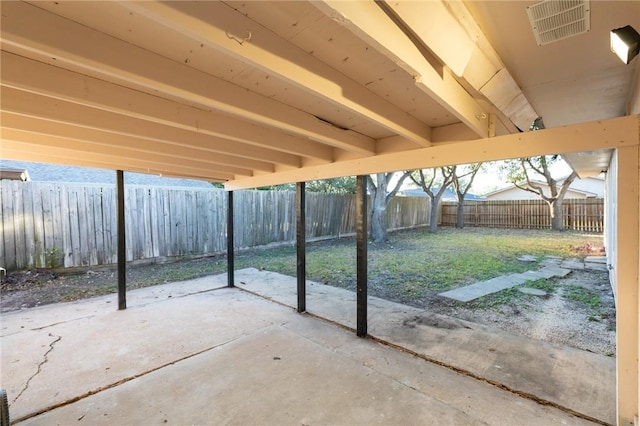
(578, 214)
(54, 225)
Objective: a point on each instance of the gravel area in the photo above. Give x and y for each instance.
(554, 318)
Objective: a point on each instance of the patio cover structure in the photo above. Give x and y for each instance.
(262, 93)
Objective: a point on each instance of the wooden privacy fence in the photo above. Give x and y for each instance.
(54, 225)
(578, 214)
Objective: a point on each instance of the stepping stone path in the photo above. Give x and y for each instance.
(553, 266)
(527, 258)
(532, 291)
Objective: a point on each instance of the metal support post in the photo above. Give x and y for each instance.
(301, 246)
(230, 248)
(122, 248)
(361, 258)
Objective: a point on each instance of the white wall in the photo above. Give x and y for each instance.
(519, 194)
(590, 184)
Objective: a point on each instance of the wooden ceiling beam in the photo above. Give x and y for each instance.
(368, 21)
(108, 143)
(38, 106)
(208, 23)
(55, 155)
(605, 134)
(36, 33)
(30, 75)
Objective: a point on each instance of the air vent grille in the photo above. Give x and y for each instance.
(553, 20)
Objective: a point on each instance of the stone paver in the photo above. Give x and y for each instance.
(528, 258)
(551, 268)
(479, 289)
(532, 291)
(572, 264)
(596, 263)
(494, 285)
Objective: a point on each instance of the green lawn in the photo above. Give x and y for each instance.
(410, 263)
(416, 261)
(411, 268)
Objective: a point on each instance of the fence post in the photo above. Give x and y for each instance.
(122, 253)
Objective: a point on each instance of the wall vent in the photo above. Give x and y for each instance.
(553, 20)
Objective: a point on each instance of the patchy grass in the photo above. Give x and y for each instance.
(581, 295)
(412, 267)
(511, 295)
(415, 264)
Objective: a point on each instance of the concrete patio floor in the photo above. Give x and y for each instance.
(183, 353)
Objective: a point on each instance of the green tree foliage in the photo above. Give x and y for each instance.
(340, 185)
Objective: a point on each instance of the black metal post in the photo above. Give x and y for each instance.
(301, 247)
(122, 248)
(361, 258)
(230, 248)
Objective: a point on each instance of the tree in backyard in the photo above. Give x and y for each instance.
(378, 186)
(461, 179)
(340, 185)
(434, 186)
(522, 173)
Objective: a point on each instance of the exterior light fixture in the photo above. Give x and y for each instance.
(625, 43)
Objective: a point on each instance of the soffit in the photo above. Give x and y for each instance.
(569, 81)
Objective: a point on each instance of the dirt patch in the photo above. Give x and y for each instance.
(557, 318)
(579, 310)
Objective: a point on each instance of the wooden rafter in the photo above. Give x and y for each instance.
(367, 21)
(37, 77)
(283, 60)
(21, 150)
(73, 45)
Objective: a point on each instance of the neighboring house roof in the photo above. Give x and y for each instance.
(40, 172)
(575, 187)
(14, 174)
(448, 195)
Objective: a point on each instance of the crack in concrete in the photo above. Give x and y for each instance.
(39, 369)
(61, 322)
(124, 380)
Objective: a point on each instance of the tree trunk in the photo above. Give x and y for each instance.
(460, 215)
(379, 214)
(433, 217)
(556, 215)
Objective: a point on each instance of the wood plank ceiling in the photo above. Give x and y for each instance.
(236, 91)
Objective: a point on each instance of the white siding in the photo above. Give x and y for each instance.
(590, 184)
(519, 194)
